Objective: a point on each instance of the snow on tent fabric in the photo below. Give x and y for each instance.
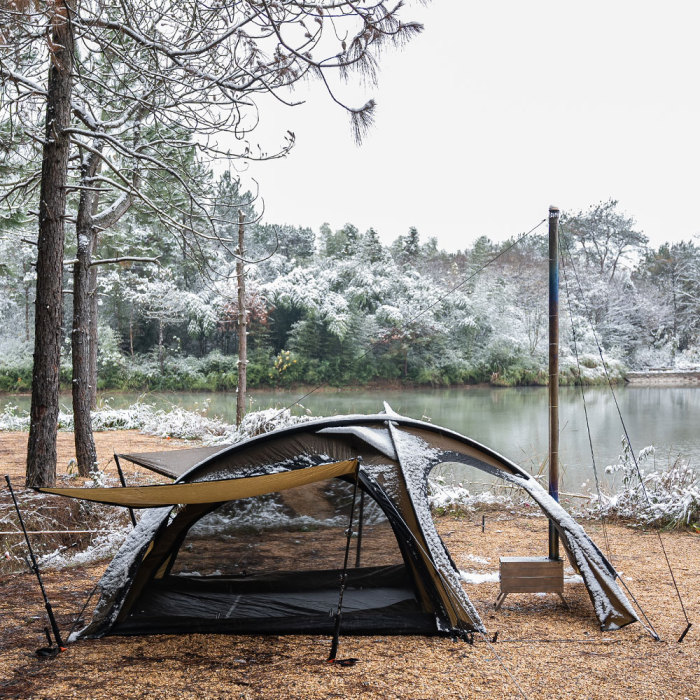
(256, 541)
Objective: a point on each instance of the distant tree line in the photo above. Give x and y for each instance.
(338, 307)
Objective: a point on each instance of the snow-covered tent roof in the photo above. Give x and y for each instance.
(141, 593)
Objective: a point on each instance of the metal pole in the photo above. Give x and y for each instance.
(123, 483)
(359, 530)
(553, 372)
(344, 572)
(241, 387)
(35, 569)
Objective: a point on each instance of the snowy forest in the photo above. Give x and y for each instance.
(136, 283)
(338, 307)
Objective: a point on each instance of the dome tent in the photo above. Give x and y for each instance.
(249, 537)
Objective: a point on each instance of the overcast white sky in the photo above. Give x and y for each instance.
(497, 111)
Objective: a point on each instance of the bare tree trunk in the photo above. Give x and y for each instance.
(242, 326)
(41, 451)
(85, 451)
(27, 333)
(131, 331)
(161, 358)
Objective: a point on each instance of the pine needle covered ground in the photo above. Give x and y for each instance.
(551, 651)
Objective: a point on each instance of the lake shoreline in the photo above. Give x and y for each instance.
(664, 378)
(511, 421)
(383, 385)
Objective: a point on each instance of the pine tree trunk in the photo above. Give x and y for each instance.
(94, 342)
(94, 310)
(41, 451)
(242, 327)
(80, 342)
(85, 451)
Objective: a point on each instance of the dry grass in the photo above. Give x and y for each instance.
(552, 651)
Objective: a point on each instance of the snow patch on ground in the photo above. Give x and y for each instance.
(477, 577)
(477, 559)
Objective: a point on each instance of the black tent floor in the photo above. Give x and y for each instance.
(376, 600)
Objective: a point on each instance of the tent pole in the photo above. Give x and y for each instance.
(35, 568)
(360, 519)
(123, 483)
(553, 372)
(344, 577)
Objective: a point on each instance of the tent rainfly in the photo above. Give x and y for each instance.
(250, 538)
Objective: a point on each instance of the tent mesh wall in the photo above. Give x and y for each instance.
(300, 529)
(272, 563)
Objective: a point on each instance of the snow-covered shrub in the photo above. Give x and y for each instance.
(668, 498)
(447, 498)
(112, 365)
(689, 359)
(592, 369)
(174, 422)
(12, 419)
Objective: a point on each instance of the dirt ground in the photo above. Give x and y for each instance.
(549, 650)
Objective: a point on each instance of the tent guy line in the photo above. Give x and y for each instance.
(689, 624)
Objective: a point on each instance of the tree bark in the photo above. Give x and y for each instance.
(27, 333)
(41, 451)
(242, 326)
(81, 342)
(94, 343)
(93, 304)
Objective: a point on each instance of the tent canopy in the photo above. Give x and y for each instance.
(254, 543)
(200, 492)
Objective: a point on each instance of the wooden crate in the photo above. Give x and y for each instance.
(530, 575)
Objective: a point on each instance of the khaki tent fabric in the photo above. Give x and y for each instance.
(396, 456)
(206, 491)
(173, 463)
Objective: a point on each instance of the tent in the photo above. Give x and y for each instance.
(249, 538)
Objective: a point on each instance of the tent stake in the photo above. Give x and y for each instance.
(35, 568)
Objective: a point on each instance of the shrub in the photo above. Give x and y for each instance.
(668, 498)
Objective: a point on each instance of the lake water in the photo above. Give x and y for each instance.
(511, 421)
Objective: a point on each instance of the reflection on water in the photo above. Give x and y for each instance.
(511, 421)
